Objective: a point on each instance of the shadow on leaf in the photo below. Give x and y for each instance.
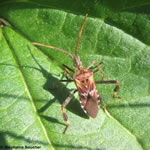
(2, 140)
(61, 93)
(3, 134)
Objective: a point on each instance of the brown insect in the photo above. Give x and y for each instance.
(83, 78)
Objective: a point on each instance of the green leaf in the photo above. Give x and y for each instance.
(30, 111)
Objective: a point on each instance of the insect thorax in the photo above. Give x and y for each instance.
(82, 74)
(83, 77)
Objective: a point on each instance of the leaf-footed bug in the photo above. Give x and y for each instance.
(83, 78)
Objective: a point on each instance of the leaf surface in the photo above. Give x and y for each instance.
(30, 111)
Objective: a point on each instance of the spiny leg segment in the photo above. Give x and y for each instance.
(62, 109)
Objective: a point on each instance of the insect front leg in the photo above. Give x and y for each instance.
(62, 109)
(67, 72)
(98, 68)
(111, 82)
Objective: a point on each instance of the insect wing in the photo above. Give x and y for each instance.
(91, 106)
(89, 99)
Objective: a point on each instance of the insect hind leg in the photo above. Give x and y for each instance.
(111, 82)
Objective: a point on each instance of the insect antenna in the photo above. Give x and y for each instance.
(76, 53)
(75, 58)
(55, 48)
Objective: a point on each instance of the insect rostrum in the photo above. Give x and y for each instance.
(83, 78)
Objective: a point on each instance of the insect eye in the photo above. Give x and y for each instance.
(82, 81)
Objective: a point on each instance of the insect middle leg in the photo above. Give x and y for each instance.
(67, 72)
(62, 109)
(111, 82)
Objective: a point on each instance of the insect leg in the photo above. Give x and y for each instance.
(68, 67)
(67, 72)
(91, 64)
(98, 66)
(111, 82)
(62, 109)
(99, 69)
